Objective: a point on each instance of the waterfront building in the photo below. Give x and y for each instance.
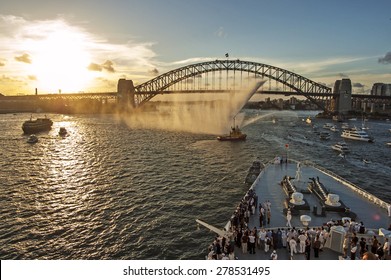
(381, 89)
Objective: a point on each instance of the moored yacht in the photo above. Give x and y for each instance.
(356, 134)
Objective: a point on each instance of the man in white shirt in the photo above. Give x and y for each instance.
(288, 218)
(292, 245)
(302, 238)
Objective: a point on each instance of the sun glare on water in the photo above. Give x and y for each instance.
(60, 61)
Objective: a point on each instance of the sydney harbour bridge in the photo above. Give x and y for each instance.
(215, 77)
(222, 76)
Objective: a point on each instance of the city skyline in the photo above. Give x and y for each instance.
(88, 45)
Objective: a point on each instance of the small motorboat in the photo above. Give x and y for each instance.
(32, 139)
(62, 132)
(366, 161)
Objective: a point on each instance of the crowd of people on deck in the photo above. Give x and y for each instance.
(296, 241)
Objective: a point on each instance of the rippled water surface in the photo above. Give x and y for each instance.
(109, 191)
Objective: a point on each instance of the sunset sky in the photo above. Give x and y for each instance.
(88, 45)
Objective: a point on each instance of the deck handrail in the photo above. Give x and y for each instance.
(347, 183)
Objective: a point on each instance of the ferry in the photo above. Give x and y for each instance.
(40, 124)
(341, 147)
(302, 197)
(356, 134)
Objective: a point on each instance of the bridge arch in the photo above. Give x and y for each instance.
(303, 86)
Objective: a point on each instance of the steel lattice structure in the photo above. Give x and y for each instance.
(303, 86)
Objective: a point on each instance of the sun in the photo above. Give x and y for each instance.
(60, 61)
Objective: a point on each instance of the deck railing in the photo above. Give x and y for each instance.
(351, 185)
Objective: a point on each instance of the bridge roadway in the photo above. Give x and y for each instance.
(114, 95)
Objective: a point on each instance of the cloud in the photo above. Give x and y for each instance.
(30, 47)
(358, 85)
(221, 33)
(342, 75)
(386, 59)
(154, 72)
(23, 58)
(94, 67)
(107, 65)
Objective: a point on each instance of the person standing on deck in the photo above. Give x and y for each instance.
(268, 242)
(345, 246)
(269, 215)
(244, 242)
(251, 243)
(262, 214)
(268, 205)
(302, 238)
(375, 244)
(386, 247)
(316, 247)
(380, 251)
(288, 218)
(284, 238)
(363, 247)
(261, 218)
(308, 249)
(293, 245)
(353, 251)
(262, 238)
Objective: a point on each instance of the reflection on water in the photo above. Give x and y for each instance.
(109, 191)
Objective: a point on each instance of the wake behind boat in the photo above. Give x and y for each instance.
(302, 198)
(34, 126)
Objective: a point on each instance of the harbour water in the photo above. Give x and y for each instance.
(112, 191)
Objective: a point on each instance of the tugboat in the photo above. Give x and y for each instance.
(234, 135)
(40, 124)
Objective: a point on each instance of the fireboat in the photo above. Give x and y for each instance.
(234, 135)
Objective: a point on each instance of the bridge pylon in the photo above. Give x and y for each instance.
(125, 92)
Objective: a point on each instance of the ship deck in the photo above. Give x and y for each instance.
(267, 187)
